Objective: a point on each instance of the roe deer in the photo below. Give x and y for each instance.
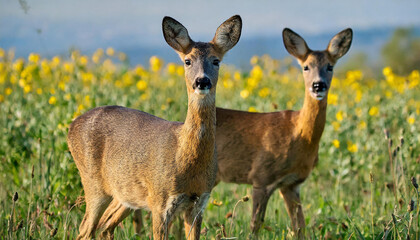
(139, 161)
(279, 149)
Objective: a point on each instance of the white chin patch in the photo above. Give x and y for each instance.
(202, 92)
(319, 95)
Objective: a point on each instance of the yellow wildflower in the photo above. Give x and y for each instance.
(254, 60)
(141, 85)
(336, 143)
(52, 100)
(39, 91)
(361, 125)
(33, 57)
(87, 77)
(411, 120)
(252, 82)
(118, 83)
(83, 60)
(387, 71)
(217, 203)
(13, 79)
(68, 67)
(155, 63)
(237, 76)
(332, 99)
(127, 79)
(351, 147)
(414, 79)
(227, 84)
(8, 91)
(388, 94)
(87, 101)
(62, 85)
(22, 82)
(290, 104)
(110, 51)
(18, 65)
(67, 97)
(244, 93)
(339, 116)
(252, 109)
(256, 73)
(359, 96)
(180, 71)
(264, 92)
(27, 88)
(139, 70)
(171, 68)
(2, 52)
(55, 61)
(336, 125)
(374, 111)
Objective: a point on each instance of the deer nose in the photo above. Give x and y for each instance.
(319, 86)
(202, 83)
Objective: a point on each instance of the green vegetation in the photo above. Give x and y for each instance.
(362, 187)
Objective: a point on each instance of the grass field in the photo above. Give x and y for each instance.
(362, 188)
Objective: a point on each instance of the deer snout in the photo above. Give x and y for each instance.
(318, 90)
(319, 87)
(202, 85)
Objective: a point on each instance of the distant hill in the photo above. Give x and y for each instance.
(369, 41)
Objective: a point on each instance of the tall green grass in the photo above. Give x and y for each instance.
(362, 187)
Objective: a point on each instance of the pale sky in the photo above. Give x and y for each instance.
(60, 24)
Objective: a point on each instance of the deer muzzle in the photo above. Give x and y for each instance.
(319, 90)
(202, 86)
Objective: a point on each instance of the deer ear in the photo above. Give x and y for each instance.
(176, 35)
(228, 34)
(295, 44)
(340, 43)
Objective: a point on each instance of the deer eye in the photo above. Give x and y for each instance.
(216, 62)
(330, 68)
(187, 62)
(305, 68)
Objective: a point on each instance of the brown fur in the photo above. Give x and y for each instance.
(137, 160)
(279, 149)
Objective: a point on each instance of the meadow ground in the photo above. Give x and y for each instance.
(362, 188)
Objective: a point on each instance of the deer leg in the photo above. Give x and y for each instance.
(138, 221)
(160, 227)
(260, 198)
(95, 206)
(294, 209)
(162, 217)
(114, 214)
(193, 217)
(192, 225)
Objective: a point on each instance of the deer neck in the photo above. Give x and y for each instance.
(197, 135)
(312, 118)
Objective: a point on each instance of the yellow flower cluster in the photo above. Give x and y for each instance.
(269, 85)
